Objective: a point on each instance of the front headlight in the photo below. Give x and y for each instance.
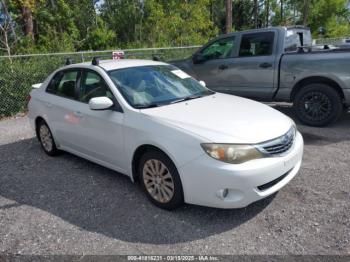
(230, 153)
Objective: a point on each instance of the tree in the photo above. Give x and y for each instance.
(243, 14)
(7, 33)
(27, 7)
(159, 22)
(256, 13)
(69, 25)
(267, 4)
(281, 10)
(306, 12)
(330, 14)
(228, 27)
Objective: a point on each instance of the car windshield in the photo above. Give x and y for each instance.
(152, 86)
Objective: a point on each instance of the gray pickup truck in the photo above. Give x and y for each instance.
(276, 64)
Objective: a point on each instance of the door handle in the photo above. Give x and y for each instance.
(265, 65)
(47, 104)
(223, 67)
(78, 114)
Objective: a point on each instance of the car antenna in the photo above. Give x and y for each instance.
(69, 61)
(95, 61)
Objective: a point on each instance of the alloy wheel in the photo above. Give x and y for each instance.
(317, 106)
(158, 180)
(46, 138)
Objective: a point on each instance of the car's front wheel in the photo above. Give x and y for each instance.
(160, 180)
(318, 105)
(46, 139)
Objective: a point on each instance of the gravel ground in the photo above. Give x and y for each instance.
(67, 205)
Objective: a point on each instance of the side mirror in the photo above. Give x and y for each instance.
(100, 103)
(198, 58)
(203, 83)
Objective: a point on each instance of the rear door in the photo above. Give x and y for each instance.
(255, 67)
(61, 103)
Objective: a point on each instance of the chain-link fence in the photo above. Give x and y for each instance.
(19, 73)
(331, 41)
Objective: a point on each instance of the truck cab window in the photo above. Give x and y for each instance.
(257, 44)
(223, 48)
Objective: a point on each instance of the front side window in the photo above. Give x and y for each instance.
(149, 86)
(257, 44)
(64, 83)
(92, 86)
(223, 48)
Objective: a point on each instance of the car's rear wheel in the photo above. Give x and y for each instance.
(318, 105)
(46, 139)
(160, 180)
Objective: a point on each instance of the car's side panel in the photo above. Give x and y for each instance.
(181, 146)
(297, 67)
(64, 119)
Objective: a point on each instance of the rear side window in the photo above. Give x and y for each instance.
(92, 86)
(64, 84)
(257, 44)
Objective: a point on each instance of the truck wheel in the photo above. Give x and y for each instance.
(318, 105)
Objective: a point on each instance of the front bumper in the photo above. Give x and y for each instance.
(205, 179)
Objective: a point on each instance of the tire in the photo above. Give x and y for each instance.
(317, 105)
(46, 139)
(160, 180)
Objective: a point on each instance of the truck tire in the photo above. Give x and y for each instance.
(317, 105)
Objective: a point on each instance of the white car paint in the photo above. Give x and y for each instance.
(110, 138)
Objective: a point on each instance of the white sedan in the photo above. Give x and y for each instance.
(154, 123)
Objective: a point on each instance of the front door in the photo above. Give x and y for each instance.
(100, 131)
(216, 58)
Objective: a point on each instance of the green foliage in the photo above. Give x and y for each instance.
(16, 78)
(159, 22)
(242, 14)
(332, 15)
(75, 25)
(99, 38)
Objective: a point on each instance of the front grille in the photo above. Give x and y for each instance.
(273, 182)
(279, 145)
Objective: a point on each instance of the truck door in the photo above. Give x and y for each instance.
(211, 62)
(255, 66)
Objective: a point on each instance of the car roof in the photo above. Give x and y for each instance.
(265, 29)
(117, 64)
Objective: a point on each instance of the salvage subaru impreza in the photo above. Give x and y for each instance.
(181, 141)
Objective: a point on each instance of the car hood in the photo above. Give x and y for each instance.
(222, 118)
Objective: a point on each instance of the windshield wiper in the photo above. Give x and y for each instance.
(194, 96)
(147, 106)
(206, 93)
